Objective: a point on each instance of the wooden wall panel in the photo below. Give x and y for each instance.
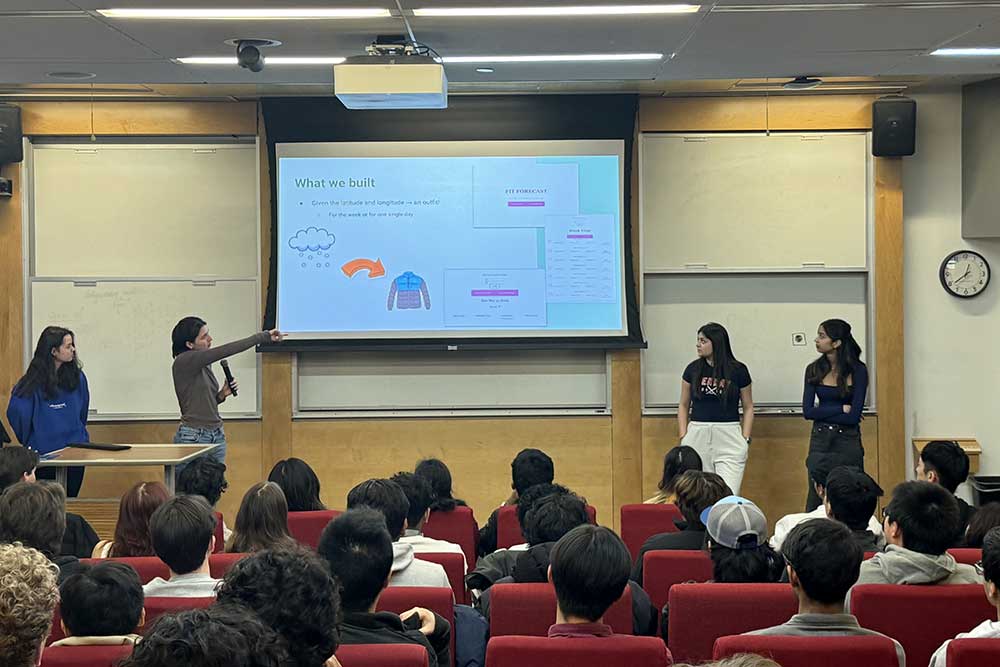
(478, 452)
(11, 289)
(734, 114)
(139, 118)
(626, 436)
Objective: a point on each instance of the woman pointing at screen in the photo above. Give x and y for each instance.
(197, 389)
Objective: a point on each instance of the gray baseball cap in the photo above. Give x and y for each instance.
(735, 522)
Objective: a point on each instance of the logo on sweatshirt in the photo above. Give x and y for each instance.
(57, 406)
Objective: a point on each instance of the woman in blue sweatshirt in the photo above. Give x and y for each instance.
(49, 404)
(834, 396)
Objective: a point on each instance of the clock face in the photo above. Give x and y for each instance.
(964, 274)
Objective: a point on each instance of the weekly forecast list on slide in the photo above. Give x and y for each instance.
(450, 246)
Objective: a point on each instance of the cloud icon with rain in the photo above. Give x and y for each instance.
(312, 239)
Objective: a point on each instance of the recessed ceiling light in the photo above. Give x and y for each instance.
(556, 58)
(555, 10)
(485, 70)
(978, 51)
(72, 76)
(271, 60)
(238, 14)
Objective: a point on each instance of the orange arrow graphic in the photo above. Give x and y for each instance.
(375, 269)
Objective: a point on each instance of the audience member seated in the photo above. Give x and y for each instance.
(695, 491)
(205, 477)
(386, 497)
(101, 606)
(439, 477)
(737, 543)
(823, 563)
(300, 484)
(183, 531)
(983, 521)
(817, 475)
(17, 464)
(291, 591)
(991, 575)
(921, 522)
(262, 521)
(529, 467)
(360, 552)
(34, 514)
(420, 496)
(217, 635)
(851, 497)
(676, 462)
(944, 462)
(132, 530)
(28, 598)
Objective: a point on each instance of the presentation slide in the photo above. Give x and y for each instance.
(450, 239)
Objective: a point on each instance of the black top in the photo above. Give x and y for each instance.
(79, 539)
(706, 399)
(384, 627)
(823, 403)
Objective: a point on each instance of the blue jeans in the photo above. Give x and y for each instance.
(189, 435)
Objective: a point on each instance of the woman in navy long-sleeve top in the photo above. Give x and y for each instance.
(834, 396)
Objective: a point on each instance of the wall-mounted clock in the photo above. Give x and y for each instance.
(965, 274)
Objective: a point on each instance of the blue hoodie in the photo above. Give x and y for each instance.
(47, 425)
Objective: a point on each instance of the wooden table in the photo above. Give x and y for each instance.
(971, 447)
(169, 456)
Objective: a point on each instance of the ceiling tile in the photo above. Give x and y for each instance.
(65, 38)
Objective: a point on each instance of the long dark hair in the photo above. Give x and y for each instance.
(677, 461)
(439, 477)
(300, 484)
(42, 371)
(723, 366)
(185, 331)
(132, 537)
(262, 521)
(848, 356)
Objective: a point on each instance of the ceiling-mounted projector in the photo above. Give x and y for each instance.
(398, 81)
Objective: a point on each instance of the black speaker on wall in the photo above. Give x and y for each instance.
(894, 127)
(10, 134)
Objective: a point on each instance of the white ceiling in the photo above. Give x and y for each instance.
(727, 40)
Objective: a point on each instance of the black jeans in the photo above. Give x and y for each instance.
(832, 445)
(74, 478)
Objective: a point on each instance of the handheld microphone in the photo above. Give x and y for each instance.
(229, 375)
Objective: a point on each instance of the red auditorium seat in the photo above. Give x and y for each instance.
(306, 527)
(973, 653)
(84, 656)
(220, 536)
(509, 527)
(701, 613)
(920, 618)
(219, 564)
(155, 607)
(640, 522)
(454, 567)
(147, 567)
(458, 527)
(529, 610)
(576, 652)
(398, 599)
(812, 651)
(382, 655)
(663, 569)
(967, 556)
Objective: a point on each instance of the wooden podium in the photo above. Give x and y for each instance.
(169, 456)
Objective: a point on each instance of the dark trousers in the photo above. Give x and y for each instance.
(74, 478)
(832, 445)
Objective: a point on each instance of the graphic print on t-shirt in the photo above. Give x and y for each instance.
(713, 387)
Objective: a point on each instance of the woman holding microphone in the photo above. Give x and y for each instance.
(196, 386)
(712, 388)
(833, 398)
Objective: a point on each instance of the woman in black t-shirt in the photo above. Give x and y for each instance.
(712, 388)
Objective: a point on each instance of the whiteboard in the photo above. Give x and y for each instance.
(123, 338)
(460, 380)
(177, 210)
(754, 201)
(761, 313)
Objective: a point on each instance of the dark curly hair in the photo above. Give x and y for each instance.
(292, 591)
(219, 636)
(205, 477)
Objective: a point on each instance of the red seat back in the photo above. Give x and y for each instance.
(576, 652)
(382, 655)
(973, 653)
(219, 564)
(454, 567)
(663, 569)
(509, 526)
(220, 536)
(967, 556)
(147, 567)
(155, 607)
(640, 522)
(529, 610)
(701, 613)
(398, 599)
(306, 527)
(458, 527)
(920, 618)
(84, 656)
(812, 651)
